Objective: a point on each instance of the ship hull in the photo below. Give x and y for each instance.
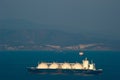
(64, 71)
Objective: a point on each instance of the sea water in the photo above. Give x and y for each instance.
(13, 64)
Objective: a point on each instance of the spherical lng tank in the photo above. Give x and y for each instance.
(54, 66)
(66, 66)
(77, 66)
(42, 66)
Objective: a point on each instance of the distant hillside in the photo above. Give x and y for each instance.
(16, 37)
(25, 34)
(39, 36)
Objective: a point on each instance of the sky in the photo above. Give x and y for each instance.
(89, 16)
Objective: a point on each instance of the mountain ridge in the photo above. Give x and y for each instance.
(25, 34)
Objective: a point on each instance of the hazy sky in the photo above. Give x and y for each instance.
(74, 15)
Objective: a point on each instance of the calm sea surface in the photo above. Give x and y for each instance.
(13, 64)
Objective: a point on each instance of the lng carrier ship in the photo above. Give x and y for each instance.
(86, 67)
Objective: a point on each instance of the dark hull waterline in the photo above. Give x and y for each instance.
(64, 71)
